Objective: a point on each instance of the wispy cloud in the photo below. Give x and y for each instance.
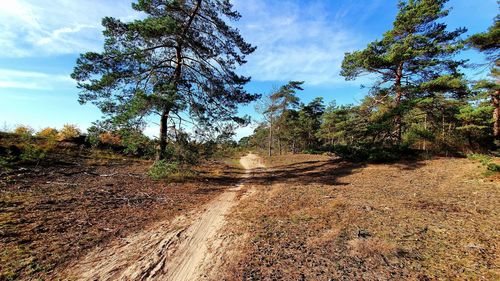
(29, 80)
(38, 28)
(296, 41)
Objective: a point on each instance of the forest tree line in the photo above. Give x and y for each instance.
(420, 99)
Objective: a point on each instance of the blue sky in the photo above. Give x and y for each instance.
(296, 40)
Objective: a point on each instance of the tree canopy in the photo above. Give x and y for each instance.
(180, 58)
(414, 58)
(489, 43)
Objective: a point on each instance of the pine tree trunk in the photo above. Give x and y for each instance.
(270, 136)
(279, 145)
(425, 128)
(163, 135)
(496, 114)
(397, 102)
(443, 124)
(176, 80)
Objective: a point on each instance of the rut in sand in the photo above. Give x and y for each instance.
(184, 249)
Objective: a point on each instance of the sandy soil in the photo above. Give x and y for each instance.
(184, 249)
(320, 218)
(55, 213)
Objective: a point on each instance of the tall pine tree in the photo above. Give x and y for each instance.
(418, 49)
(181, 57)
(489, 43)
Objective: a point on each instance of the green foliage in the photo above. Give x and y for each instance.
(93, 133)
(183, 150)
(488, 41)
(33, 153)
(476, 120)
(162, 169)
(28, 148)
(367, 152)
(5, 162)
(436, 124)
(225, 151)
(130, 141)
(285, 98)
(415, 59)
(168, 62)
(137, 144)
(486, 161)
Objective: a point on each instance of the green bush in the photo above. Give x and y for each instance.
(493, 167)
(4, 162)
(32, 153)
(162, 169)
(128, 141)
(371, 153)
(137, 144)
(183, 150)
(486, 161)
(312, 151)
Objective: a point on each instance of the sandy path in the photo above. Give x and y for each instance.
(184, 249)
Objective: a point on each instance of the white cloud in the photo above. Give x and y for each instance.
(296, 41)
(29, 80)
(39, 28)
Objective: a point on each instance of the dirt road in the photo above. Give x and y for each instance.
(184, 249)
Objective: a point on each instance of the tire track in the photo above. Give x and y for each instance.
(182, 250)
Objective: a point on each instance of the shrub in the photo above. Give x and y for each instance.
(493, 167)
(9, 155)
(32, 152)
(68, 131)
(378, 154)
(93, 133)
(136, 143)
(183, 150)
(162, 169)
(23, 131)
(312, 151)
(486, 161)
(48, 133)
(50, 137)
(4, 163)
(110, 139)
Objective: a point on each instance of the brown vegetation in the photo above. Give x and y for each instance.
(54, 211)
(317, 218)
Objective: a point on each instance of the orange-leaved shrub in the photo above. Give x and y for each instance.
(48, 133)
(68, 131)
(23, 130)
(110, 138)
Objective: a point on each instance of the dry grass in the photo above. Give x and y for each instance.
(365, 248)
(319, 219)
(55, 212)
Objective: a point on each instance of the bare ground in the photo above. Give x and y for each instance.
(183, 249)
(305, 218)
(54, 213)
(318, 218)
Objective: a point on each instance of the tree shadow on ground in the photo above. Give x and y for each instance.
(309, 172)
(326, 172)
